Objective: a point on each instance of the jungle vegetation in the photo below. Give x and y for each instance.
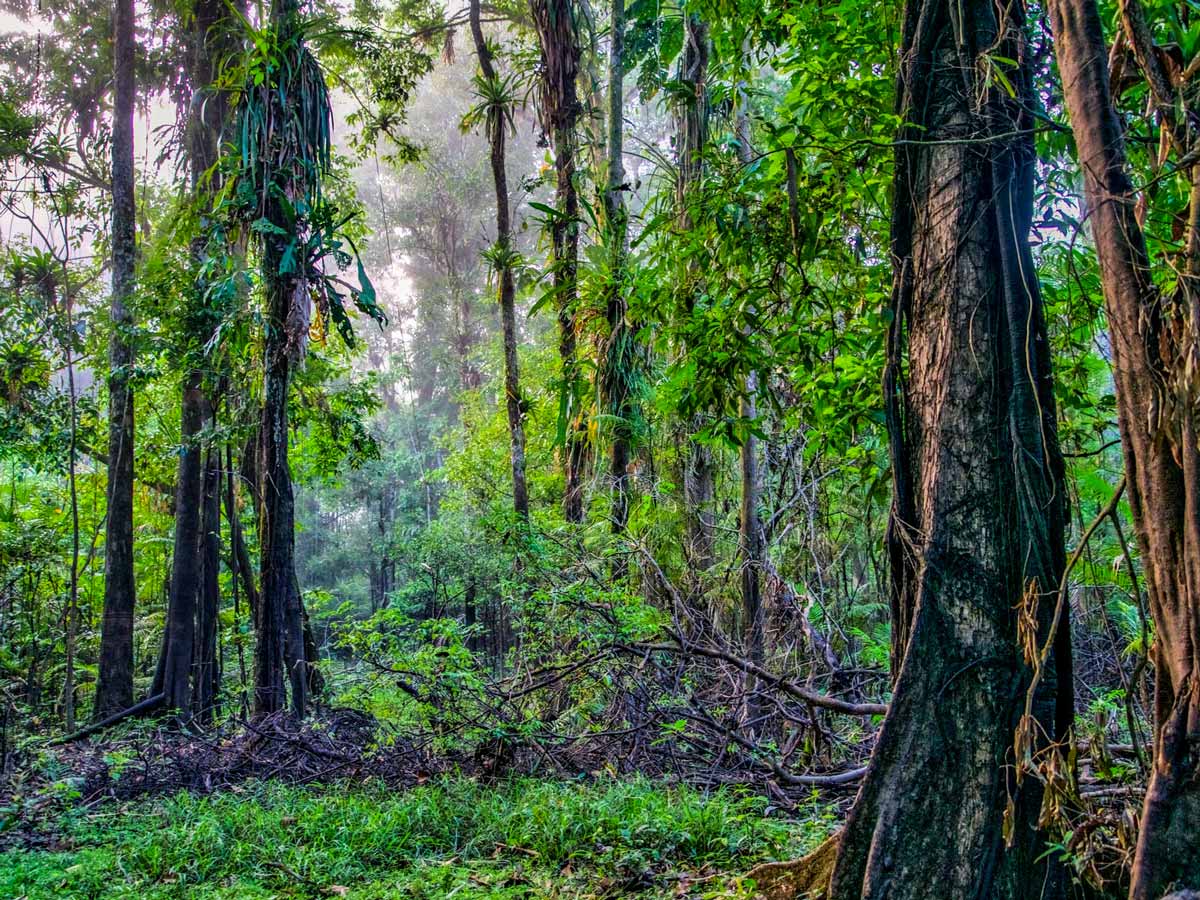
(699, 448)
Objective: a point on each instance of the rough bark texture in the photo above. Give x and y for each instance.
(1153, 345)
(978, 513)
(497, 122)
(114, 688)
(558, 36)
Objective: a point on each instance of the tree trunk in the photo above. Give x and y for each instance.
(978, 509)
(750, 537)
(243, 568)
(276, 517)
(280, 646)
(206, 671)
(240, 571)
(173, 677)
(558, 36)
(497, 122)
(617, 377)
(700, 467)
(114, 689)
(1153, 345)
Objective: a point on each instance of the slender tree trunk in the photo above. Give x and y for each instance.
(114, 689)
(751, 537)
(173, 677)
(617, 389)
(239, 569)
(1153, 346)
(276, 518)
(978, 503)
(699, 473)
(469, 614)
(497, 122)
(206, 671)
(71, 614)
(558, 35)
(243, 567)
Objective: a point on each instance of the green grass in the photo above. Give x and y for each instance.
(450, 838)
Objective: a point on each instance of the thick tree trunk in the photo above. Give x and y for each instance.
(558, 36)
(497, 122)
(173, 678)
(978, 507)
(1153, 344)
(114, 689)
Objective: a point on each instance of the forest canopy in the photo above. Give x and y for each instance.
(690, 448)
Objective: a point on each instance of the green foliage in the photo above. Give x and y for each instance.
(452, 833)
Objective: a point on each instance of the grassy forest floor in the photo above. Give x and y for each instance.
(453, 836)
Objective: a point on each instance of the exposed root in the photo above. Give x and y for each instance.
(799, 879)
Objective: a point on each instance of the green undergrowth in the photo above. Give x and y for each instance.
(451, 837)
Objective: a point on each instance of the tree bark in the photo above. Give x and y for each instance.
(497, 122)
(173, 677)
(558, 36)
(978, 509)
(1153, 347)
(114, 689)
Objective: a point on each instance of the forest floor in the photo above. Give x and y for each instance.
(452, 836)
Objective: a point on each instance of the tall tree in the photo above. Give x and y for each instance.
(497, 119)
(750, 535)
(187, 639)
(699, 491)
(114, 688)
(1154, 352)
(206, 668)
(620, 350)
(173, 677)
(285, 131)
(978, 502)
(558, 37)
(300, 107)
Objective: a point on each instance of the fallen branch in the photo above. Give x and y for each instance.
(788, 687)
(150, 704)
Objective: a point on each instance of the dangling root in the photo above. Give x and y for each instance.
(799, 879)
